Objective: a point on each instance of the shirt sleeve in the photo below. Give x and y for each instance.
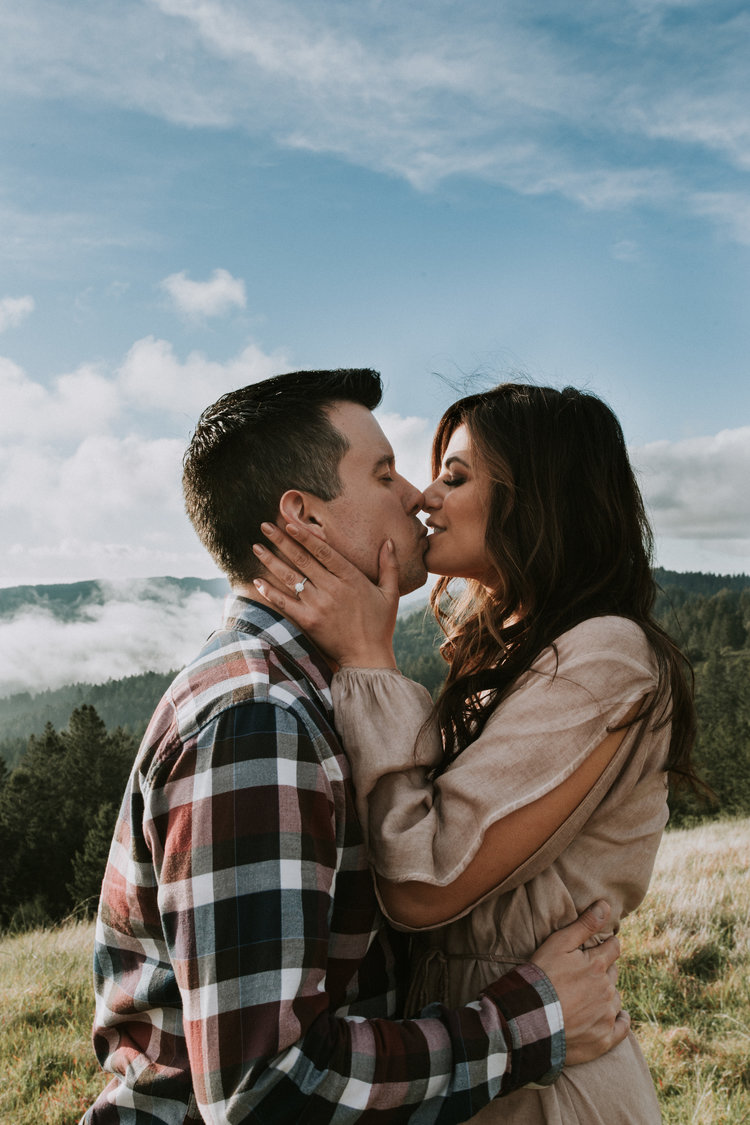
(557, 713)
(247, 872)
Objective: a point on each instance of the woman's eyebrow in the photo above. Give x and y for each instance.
(455, 457)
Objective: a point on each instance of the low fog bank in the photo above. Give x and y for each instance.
(91, 632)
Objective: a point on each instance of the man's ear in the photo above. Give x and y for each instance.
(296, 506)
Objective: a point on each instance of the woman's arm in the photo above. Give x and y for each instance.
(438, 847)
(505, 845)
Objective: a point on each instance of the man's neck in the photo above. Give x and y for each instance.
(247, 590)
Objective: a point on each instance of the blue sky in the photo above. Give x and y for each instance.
(196, 194)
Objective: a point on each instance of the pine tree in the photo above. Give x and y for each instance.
(29, 821)
(722, 752)
(51, 802)
(89, 863)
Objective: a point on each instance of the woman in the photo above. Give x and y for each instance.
(539, 779)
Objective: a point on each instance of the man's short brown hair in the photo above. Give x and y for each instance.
(254, 444)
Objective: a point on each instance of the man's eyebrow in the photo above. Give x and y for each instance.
(385, 462)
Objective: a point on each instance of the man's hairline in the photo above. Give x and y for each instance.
(388, 458)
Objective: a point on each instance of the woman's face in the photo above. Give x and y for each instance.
(457, 504)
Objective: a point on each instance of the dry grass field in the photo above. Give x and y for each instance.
(686, 975)
(685, 978)
(48, 1073)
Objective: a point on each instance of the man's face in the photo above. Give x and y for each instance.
(375, 502)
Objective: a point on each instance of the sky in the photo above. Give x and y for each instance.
(197, 194)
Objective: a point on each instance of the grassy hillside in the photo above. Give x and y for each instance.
(685, 979)
(48, 1074)
(685, 974)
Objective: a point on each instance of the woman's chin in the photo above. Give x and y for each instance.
(436, 562)
(437, 568)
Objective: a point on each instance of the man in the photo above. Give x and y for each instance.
(243, 971)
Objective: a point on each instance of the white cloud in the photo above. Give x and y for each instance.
(118, 477)
(510, 93)
(411, 438)
(153, 378)
(90, 465)
(92, 400)
(13, 310)
(85, 494)
(126, 635)
(124, 492)
(730, 210)
(215, 297)
(503, 94)
(697, 488)
(79, 402)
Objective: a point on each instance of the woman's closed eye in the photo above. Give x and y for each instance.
(453, 481)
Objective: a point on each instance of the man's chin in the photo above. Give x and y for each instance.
(408, 583)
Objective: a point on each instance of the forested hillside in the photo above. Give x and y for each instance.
(126, 703)
(66, 754)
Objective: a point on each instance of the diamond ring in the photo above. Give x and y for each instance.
(299, 586)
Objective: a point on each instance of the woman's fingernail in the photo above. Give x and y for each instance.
(293, 530)
(258, 550)
(267, 528)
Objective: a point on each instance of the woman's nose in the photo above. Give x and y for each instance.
(431, 497)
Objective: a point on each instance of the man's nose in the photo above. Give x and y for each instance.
(411, 498)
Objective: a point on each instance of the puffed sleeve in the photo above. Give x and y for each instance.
(557, 714)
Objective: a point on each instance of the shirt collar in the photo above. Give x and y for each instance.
(278, 631)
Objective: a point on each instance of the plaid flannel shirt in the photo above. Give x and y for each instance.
(242, 969)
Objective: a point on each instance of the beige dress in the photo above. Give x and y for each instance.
(557, 713)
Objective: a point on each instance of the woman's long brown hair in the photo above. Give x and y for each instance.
(568, 535)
